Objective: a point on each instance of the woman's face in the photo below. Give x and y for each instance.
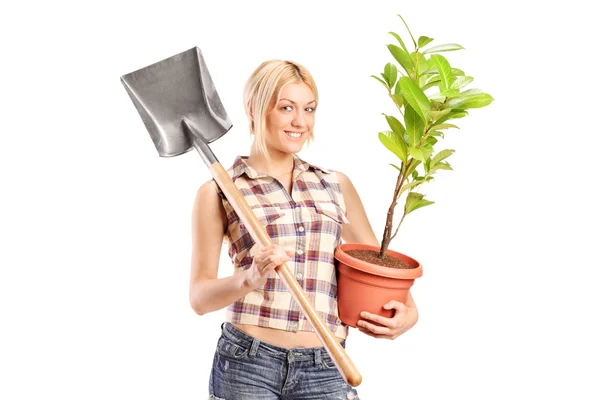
(291, 119)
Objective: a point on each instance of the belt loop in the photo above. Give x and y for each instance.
(318, 357)
(254, 347)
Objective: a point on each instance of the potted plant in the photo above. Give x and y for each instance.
(427, 93)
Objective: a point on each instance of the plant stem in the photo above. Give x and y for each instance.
(387, 232)
(398, 227)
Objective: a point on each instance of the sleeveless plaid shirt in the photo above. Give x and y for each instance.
(309, 222)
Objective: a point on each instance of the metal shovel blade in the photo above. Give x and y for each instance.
(173, 93)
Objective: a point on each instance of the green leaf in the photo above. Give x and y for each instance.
(415, 174)
(398, 140)
(415, 97)
(403, 58)
(433, 82)
(442, 155)
(450, 93)
(435, 115)
(414, 197)
(392, 74)
(430, 140)
(426, 165)
(380, 80)
(411, 199)
(409, 32)
(436, 133)
(441, 64)
(444, 126)
(417, 154)
(431, 71)
(414, 201)
(437, 97)
(435, 105)
(414, 125)
(399, 39)
(398, 99)
(397, 88)
(417, 205)
(394, 124)
(421, 63)
(421, 153)
(386, 79)
(392, 144)
(457, 72)
(424, 41)
(409, 186)
(441, 165)
(443, 47)
(473, 98)
(461, 82)
(414, 163)
(397, 167)
(454, 114)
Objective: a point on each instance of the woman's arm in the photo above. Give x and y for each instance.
(209, 222)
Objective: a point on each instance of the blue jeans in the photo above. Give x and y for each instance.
(245, 368)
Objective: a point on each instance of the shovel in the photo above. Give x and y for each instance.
(181, 109)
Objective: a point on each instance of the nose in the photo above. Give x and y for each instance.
(298, 118)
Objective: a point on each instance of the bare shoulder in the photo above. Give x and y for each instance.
(346, 185)
(342, 178)
(208, 205)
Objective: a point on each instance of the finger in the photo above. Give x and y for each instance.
(273, 264)
(267, 268)
(280, 251)
(280, 259)
(369, 333)
(388, 322)
(379, 330)
(395, 304)
(268, 247)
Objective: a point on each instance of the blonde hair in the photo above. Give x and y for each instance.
(262, 91)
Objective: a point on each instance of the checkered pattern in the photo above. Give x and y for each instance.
(309, 223)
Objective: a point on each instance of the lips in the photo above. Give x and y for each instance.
(294, 135)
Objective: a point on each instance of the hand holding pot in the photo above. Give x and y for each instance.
(405, 317)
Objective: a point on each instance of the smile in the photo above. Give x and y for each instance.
(294, 135)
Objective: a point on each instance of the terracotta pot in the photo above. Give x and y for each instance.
(363, 286)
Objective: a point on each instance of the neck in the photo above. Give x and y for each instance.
(281, 163)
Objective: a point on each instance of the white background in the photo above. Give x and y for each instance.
(95, 226)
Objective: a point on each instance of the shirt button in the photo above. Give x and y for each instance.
(298, 276)
(301, 229)
(294, 325)
(300, 252)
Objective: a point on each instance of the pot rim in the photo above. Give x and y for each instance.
(341, 255)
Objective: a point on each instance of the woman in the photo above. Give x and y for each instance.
(267, 349)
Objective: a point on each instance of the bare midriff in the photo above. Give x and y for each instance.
(281, 338)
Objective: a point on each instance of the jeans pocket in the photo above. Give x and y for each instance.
(327, 362)
(228, 348)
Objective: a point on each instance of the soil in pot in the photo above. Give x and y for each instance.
(372, 257)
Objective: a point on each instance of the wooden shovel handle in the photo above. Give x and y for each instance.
(338, 354)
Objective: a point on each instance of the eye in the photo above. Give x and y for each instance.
(284, 107)
(310, 109)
